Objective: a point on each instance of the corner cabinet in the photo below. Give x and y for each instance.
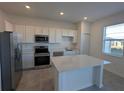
(29, 32)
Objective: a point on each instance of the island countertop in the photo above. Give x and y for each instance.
(65, 63)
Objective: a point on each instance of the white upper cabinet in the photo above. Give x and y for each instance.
(74, 36)
(64, 32)
(67, 32)
(8, 26)
(58, 36)
(52, 35)
(55, 34)
(30, 30)
(45, 31)
(38, 30)
(71, 33)
(20, 29)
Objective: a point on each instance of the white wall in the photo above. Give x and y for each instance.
(117, 65)
(40, 22)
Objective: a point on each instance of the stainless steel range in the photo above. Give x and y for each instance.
(42, 55)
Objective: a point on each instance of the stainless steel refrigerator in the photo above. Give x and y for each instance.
(10, 60)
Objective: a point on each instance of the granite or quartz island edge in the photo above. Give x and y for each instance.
(66, 63)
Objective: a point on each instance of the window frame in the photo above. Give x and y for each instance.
(103, 42)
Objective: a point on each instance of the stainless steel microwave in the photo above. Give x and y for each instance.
(41, 39)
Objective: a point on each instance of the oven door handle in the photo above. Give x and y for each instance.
(38, 55)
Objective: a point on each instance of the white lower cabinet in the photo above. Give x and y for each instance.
(28, 60)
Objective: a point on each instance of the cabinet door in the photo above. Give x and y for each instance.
(74, 36)
(45, 31)
(58, 35)
(8, 26)
(38, 31)
(20, 29)
(52, 35)
(70, 33)
(64, 32)
(28, 60)
(30, 34)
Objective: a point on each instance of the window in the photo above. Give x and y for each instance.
(113, 40)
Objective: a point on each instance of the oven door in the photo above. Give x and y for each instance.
(42, 60)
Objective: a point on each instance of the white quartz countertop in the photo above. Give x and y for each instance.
(65, 63)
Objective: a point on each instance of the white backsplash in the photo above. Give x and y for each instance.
(66, 43)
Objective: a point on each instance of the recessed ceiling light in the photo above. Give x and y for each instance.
(61, 13)
(85, 18)
(28, 7)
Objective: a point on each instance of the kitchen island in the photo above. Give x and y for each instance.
(77, 72)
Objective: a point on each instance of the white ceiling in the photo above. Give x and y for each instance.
(74, 12)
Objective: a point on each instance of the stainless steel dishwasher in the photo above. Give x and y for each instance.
(58, 53)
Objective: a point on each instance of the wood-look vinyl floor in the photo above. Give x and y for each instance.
(42, 80)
